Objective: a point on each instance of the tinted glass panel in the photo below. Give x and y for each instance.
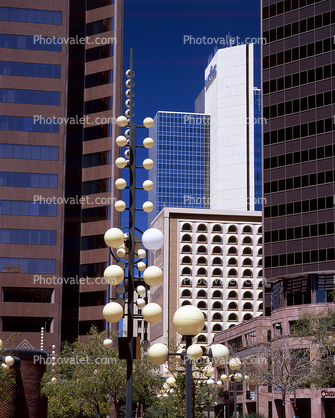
(28, 180)
(30, 42)
(27, 69)
(26, 208)
(30, 15)
(29, 152)
(30, 96)
(27, 236)
(19, 123)
(27, 265)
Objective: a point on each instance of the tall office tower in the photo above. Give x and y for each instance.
(258, 122)
(299, 151)
(181, 155)
(229, 100)
(50, 78)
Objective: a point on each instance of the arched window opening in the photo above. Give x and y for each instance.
(186, 227)
(186, 238)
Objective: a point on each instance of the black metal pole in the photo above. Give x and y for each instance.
(235, 396)
(130, 324)
(188, 381)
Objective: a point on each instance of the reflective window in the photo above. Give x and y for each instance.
(29, 69)
(19, 123)
(29, 152)
(30, 96)
(27, 236)
(97, 158)
(13, 14)
(27, 265)
(45, 181)
(98, 79)
(30, 42)
(26, 208)
(99, 26)
(99, 52)
(94, 4)
(97, 186)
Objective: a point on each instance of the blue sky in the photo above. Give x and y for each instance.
(169, 74)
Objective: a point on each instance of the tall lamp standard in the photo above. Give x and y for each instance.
(235, 365)
(129, 248)
(188, 321)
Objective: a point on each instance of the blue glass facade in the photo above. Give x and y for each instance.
(27, 208)
(14, 14)
(258, 148)
(181, 155)
(29, 69)
(29, 42)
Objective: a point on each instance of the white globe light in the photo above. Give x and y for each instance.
(210, 382)
(127, 113)
(112, 312)
(223, 377)
(194, 352)
(108, 343)
(219, 354)
(120, 162)
(53, 380)
(120, 205)
(4, 366)
(153, 239)
(121, 252)
(128, 94)
(148, 143)
(129, 103)
(208, 371)
(219, 383)
(179, 359)
(153, 276)
(120, 184)
(140, 290)
(148, 163)
(141, 253)
(128, 83)
(140, 266)
(238, 377)
(128, 73)
(158, 353)
(114, 237)
(188, 320)
(140, 303)
(121, 141)
(148, 185)
(148, 207)
(166, 386)
(235, 363)
(171, 381)
(152, 313)
(114, 274)
(121, 121)
(148, 122)
(9, 361)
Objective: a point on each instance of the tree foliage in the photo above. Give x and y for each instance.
(91, 380)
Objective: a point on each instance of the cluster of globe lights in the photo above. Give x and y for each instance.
(115, 238)
(8, 360)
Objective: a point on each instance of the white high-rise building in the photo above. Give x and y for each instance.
(229, 100)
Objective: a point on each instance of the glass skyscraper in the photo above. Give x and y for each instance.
(181, 154)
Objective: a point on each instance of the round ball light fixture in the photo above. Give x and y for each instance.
(153, 239)
(153, 276)
(152, 313)
(188, 320)
(112, 312)
(148, 122)
(122, 121)
(114, 274)
(114, 237)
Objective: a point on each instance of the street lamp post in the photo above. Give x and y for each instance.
(127, 246)
(188, 321)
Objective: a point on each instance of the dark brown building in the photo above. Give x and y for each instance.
(298, 150)
(60, 93)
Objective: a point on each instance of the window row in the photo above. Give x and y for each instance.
(295, 54)
(299, 207)
(27, 124)
(28, 69)
(247, 229)
(27, 265)
(47, 181)
(98, 79)
(301, 26)
(186, 271)
(218, 306)
(27, 295)
(297, 232)
(27, 236)
(13, 14)
(218, 250)
(186, 293)
(96, 186)
(217, 261)
(30, 97)
(29, 42)
(99, 52)
(29, 152)
(92, 242)
(299, 181)
(218, 283)
(99, 26)
(24, 208)
(299, 157)
(97, 132)
(101, 213)
(98, 105)
(314, 256)
(285, 6)
(300, 105)
(217, 239)
(96, 159)
(297, 79)
(94, 4)
(298, 131)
